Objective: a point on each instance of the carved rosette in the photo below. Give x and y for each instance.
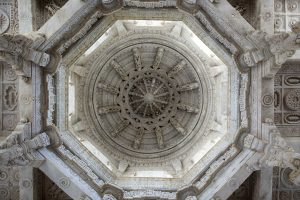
(292, 99)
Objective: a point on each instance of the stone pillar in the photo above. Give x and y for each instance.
(264, 9)
(26, 183)
(263, 184)
(25, 14)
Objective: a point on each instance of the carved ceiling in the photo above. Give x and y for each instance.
(171, 103)
(152, 101)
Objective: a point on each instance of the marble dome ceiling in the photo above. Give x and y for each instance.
(170, 103)
(147, 99)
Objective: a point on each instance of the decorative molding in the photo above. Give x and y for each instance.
(51, 99)
(243, 101)
(81, 33)
(150, 4)
(149, 194)
(71, 25)
(215, 166)
(82, 165)
(215, 34)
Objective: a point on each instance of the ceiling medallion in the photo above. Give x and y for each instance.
(147, 98)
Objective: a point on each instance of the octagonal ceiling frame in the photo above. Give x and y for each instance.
(111, 42)
(176, 15)
(93, 34)
(223, 24)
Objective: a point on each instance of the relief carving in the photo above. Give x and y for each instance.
(292, 99)
(10, 97)
(9, 122)
(292, 118)
(10, 75)
(292, 80)
(287, 100)
(4, 21)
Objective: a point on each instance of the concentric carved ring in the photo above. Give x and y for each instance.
(147, 99)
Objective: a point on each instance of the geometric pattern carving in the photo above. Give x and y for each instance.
(9, 183)
(287, 13)
(9, 101)
(283, 189)
(287, 99)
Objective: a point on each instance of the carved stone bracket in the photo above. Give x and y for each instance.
(112, 192)
(272, 50)
(21, 51)
(19, 148)
(275, 151)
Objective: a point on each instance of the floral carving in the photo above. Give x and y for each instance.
(11, 97)
(9, 122)
(10, 75)
(292, 99)
(4, 21)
